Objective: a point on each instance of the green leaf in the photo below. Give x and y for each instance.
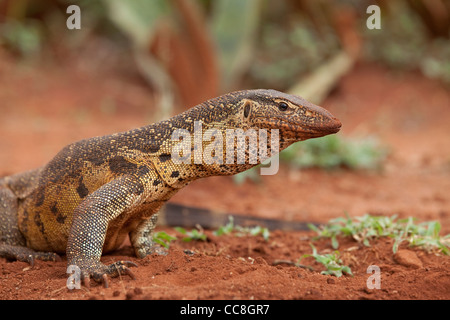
(334, 242)
(313, 227)
(163, 239)
(180, 230)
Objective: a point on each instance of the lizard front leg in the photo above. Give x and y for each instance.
(90, 224)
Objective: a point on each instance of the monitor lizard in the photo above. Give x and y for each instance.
(97, 191)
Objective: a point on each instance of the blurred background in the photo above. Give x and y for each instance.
(138, 61)
(191, 50)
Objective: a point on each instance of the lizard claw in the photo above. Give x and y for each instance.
(87, 281)
(105, 280)
(100, 272)
(26, 258)
(130, 273)
(25, 254)
(122, 268)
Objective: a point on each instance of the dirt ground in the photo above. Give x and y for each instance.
(44, 108)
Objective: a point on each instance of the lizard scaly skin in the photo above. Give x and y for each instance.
(97, 191)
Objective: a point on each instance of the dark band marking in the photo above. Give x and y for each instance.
(165, 157)
(121, 165)
(82, 190)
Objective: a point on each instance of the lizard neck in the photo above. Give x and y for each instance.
(202, 132)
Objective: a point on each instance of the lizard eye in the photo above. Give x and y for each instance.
(283, 106)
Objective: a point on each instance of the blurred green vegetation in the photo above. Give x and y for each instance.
(405, 43)
(331, 152)
(196, 49)
(285, 52)
(253, 43)
(191, 50)
(24, 38)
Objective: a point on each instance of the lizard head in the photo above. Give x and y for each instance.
(242, 116)
(296, 118)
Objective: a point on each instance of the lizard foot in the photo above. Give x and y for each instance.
(150, 248)
(100, 272)
(25, 254)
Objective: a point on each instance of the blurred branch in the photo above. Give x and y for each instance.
(317, 85)
(184, 46)
(175, 52)
(157, 77)
(234, 24)
(138, 19)
(435, 15)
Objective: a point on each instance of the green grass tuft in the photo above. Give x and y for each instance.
(366, 228)
(242, 231)
(194, 234)
(331, 261)
(163, 239)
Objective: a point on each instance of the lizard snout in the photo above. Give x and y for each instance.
(332, 126)
(322, 121)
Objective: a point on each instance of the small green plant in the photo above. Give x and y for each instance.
(329, 153)
(194, 234)
(226, 229)
(252, 174)
(333, 151)
(256, 230)
(366, 228)
(424, 235)
(241, 231)
(331, 261)
(163, 239)
(24, 37)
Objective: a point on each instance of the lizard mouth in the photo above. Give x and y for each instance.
(322, 127)
(329, 126)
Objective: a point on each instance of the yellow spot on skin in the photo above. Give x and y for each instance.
(308, 113)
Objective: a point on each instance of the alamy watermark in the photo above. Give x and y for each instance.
(73, 281)
(374, 281)
(235, 146)
(374, 20)
(74, 20)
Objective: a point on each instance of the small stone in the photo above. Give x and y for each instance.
(129, 296)
(368, 291)
(408, 259)
(331, 281)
